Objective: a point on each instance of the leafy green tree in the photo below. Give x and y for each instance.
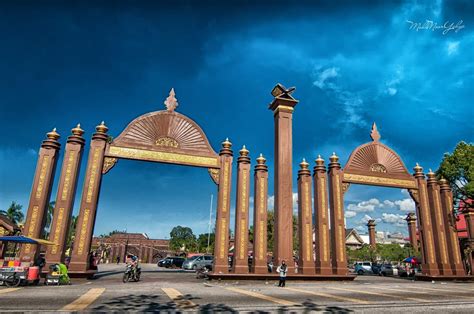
(271, 230)
(458, 169)
(14, 213)
(202, 242)
(182, 238)
(72, 232)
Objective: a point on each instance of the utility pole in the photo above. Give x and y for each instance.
(210, 222)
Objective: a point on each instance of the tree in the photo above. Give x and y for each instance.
(458, 169)
(202, 242)
(182, 238)
(14, 213)
(271, 230)
(71, 233)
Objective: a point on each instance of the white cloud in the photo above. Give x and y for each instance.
(349, 214)
(394, 219)
(391, 91)
(365, 206)
(388, 204)
(452, 47)
(406, 205)
(325, 75)
(271, 202)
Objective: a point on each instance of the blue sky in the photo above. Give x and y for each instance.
(352, 64)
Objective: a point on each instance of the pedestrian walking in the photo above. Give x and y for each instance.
(282, 270)
(118, 259)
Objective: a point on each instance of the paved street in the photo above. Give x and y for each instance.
(178, 291)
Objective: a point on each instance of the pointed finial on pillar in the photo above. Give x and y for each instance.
(304, 165)
(334, 158)
(226, 148)
(53, 135)
(319, 161)
(171, 102)
(244, 152)
(102, 128)
(77, 130)
(261, 160)
(375, 135)
(418, 168)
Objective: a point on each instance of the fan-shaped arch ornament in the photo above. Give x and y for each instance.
(163, 136)
(375, 163)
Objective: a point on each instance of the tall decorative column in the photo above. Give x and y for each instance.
(439, 231)
(411, 221)
(282, 106)
(323, 262)
(221, 246)
(305, 217)
(371, 226)
(454, 251)
(241, 264)
(429, 264)
(40, 193)
(469, 217)
(90, 196)
(65, 196)
(338, 229)
(260, 217)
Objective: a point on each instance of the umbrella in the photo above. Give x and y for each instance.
(411, 259)
(23, 239)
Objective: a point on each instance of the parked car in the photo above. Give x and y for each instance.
(173, 262)
(376, 268)
(363, 268)
(199, 261)
(161, 262)
(388, 270)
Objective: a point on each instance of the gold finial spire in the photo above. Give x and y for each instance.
(375, 135)
(261, 160)
(77, 130)
(227, 144)
(319, 161)
(244, 151)
(171, 102)
(334, 158)
(102, 128)
(418, 168)
(53, 135)
(304, 164)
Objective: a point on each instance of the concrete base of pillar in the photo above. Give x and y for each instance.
(274, 276)
(430, 269)
(220, 269)
(78, 267)
(423, 277)
(323, 268)
(240, 269)
(307, 268)
(458, 270)
(445, 269)
(260, 269)
(82, 274)
(340, 268)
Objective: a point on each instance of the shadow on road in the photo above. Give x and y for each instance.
(142, 303)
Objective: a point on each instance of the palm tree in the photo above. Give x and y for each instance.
(14, 213)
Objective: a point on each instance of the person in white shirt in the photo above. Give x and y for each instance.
(282, 270)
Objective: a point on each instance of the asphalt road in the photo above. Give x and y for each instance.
(179, 291)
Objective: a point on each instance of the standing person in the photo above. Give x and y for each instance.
(282, 270)
(40, 262)
(118, 259)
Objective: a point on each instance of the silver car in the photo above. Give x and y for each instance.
(198, 262)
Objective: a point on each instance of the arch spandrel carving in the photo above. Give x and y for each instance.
(164, 136)
(376, 164)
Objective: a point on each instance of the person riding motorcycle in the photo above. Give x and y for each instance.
(134, 264)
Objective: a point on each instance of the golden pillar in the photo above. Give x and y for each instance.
(221, 246)
(80, 257)
(411, 221)
(241, 264)
(260, 217)
(305, 217)
(437, 220)
(429, 264)
(65, 196)
(338, 229)
(282, 106)
(40, 194)
(454, 250)
(371, 228)
(323, 262)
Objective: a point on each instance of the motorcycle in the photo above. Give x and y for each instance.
(131, 274)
